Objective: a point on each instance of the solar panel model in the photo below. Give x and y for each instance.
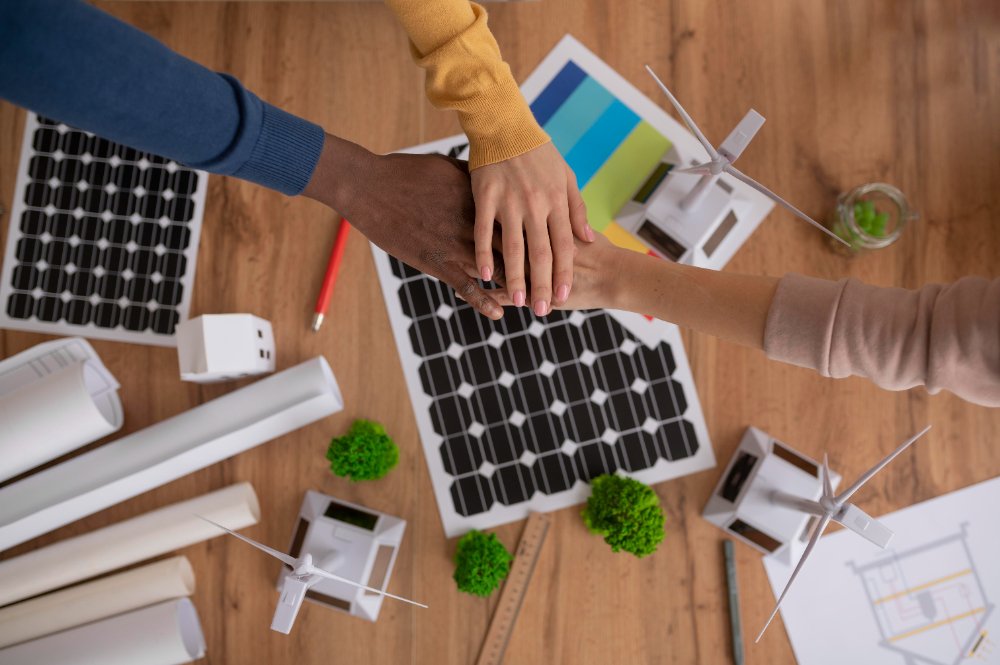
(518, 415)
(102, 238)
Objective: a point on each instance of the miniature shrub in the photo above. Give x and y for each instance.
(481, 563)
(365, 453)
(626, 512)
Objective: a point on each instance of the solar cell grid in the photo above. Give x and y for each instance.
(520, 414)
(102, 238)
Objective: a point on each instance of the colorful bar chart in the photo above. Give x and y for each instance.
(609, 147)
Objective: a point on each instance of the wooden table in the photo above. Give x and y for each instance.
(853, 91)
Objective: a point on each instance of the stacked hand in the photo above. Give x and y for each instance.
(418, 208)
(596, 265)
(533, 195)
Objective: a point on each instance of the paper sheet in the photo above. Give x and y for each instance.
(122, 544)
(613, 181)
(929, 598)
(54, 398)
(206, 434)
(164, 634)
(93, 601)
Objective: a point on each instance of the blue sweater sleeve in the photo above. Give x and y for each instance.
(67, 60)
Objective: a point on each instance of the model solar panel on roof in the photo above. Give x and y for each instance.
(102, 238)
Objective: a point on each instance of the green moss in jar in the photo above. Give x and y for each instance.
(870, 217)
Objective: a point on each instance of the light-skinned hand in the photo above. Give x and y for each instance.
(593, 288)
(533, 196)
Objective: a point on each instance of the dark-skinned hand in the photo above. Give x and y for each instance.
(418, 208)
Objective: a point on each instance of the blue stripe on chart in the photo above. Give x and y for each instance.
(577, 114)
(555, 93)
(601, 140)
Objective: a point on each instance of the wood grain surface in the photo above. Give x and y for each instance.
(853, 91)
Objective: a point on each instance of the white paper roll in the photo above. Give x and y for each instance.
(164, 634)
(54, 398)
(141, 587)
(122, 544)
(173, 448)
(52, 416)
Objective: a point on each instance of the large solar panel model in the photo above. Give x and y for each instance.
(520, 414)
(102, 239)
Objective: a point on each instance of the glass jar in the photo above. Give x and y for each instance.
(870, 217)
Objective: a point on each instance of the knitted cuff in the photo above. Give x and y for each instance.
(286, 152)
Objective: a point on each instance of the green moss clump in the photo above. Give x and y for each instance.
(365, 453)
(868, 220)
(626, 512)
(481, 563)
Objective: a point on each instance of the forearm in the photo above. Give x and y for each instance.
(466, 73)
(729, 306)
(72, 62)
(341, 166)
(943, 336)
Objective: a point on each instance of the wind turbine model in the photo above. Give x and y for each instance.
(770, 495)
(701, 220)
(303, 576)
(834, 507)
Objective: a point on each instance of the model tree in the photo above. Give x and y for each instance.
(365, 453)
(626, 512)
(481, 563)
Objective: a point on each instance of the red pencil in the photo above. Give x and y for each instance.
(331, 273)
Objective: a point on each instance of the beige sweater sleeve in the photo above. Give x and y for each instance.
(942, 336)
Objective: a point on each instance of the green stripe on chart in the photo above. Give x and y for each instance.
(624, 172)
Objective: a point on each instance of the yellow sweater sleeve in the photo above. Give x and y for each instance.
(465, 71)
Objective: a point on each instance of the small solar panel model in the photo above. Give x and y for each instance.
(333, 535)
(779, 502)
(102, 239)
(685, 213)
(223, 347)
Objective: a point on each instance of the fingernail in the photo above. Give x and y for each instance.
(590, 233)
(562, 293)
(519, 298)
(485, 273)
(541, 308)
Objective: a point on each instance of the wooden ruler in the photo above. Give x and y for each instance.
(514, 589)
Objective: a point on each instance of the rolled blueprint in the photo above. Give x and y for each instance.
(54, 398)
(164, 634)
(168, 450)
(93, 601)
(118, 545)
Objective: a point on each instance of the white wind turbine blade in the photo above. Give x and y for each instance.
(805, 555)
(742, 177)
(846, 494)
(827, 483)
(329, 575)
(698, 169)
(684, 116)
(280, 556)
